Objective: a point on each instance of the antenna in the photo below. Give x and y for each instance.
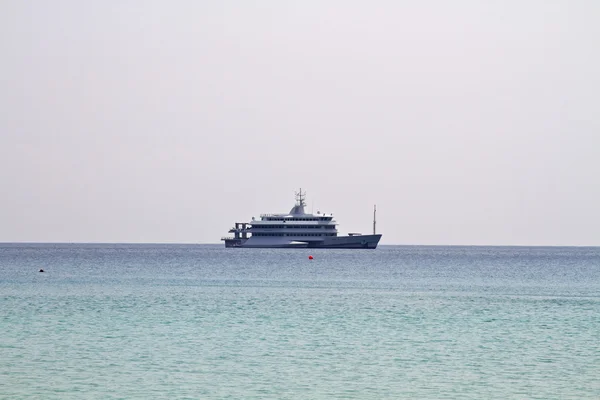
(374, 218)
(300, 197)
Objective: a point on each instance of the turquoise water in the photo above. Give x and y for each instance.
(400, 322)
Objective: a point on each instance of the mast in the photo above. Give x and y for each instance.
(374, 218)
(300, 197)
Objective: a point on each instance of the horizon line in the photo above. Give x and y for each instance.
(383, 244)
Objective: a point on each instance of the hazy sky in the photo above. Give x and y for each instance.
(467, 122)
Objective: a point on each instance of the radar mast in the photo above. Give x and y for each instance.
(300, 197)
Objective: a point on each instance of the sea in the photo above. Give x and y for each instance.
(155, 321)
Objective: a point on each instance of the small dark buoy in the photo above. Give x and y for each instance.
(310, 257)
(41, 270)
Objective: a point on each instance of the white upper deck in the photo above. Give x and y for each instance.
(297, 215)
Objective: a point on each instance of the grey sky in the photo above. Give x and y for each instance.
(467, 122)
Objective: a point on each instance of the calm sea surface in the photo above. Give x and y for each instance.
(205, 322)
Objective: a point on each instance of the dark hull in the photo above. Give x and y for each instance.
(338, 242)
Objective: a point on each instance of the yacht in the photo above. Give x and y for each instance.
(297, 229)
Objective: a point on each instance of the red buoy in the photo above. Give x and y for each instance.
(310, 257)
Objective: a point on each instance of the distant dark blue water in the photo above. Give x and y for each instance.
(202, 321)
